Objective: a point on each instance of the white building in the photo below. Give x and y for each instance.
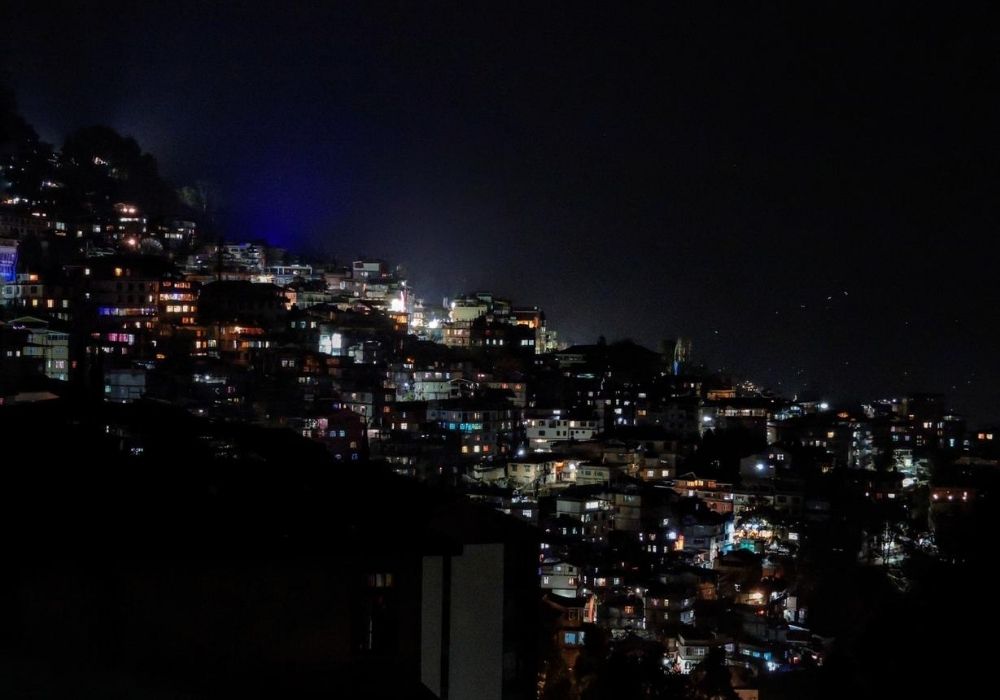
(544, 431)
(560, 578)
(52, 347)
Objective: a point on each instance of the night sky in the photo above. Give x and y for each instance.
(810, 195)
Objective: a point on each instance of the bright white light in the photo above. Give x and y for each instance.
(760, 466)
(824, 406)
(434, 324)
(397, 305)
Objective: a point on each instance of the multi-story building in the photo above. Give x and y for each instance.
(545, 428)
(8, 259)
(774, 462)
(717, 495)
(30, 293)
(49, 346)
(667, 605)
(480, 426)
(560, 577)
(534, 318)
(591, 512)
(538, 469)
(122, 306)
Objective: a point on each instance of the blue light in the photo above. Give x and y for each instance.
(8, 266)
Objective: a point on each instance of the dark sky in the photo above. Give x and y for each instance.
(810, 195)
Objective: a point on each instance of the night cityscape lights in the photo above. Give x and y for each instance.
(572, 352)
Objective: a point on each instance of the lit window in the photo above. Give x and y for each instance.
(380, 580)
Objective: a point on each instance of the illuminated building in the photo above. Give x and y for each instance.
(583, 514)
(571, 632)
(433, 386)
(592, 473)
(178, 301)
(283, 275)
(176, 233)
(480, 426)
(667, 605)
(8, 259)
(776, 461)
(501, 335)
(692, 648)
(17, 223)
(369, 269)
(124, 385)
(785, 496)
(534, 318)
(467, 310)
(717, 495)
(545, 428)
(48, 346)
(129, 227)
(122, 305)
(406, 416)
(751, 413)
(457, 334)
(560, 578)
(30, 293)
(536, 470)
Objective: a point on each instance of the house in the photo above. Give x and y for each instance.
(545, 428)
(575, 615)
(591, 473)
(591, 511)
(693, 646)
(623, 611)
(717, 495)
(536, 469)
(668, 604)
(776, 461)
(560, 577)
(481, 426)
(49, 346)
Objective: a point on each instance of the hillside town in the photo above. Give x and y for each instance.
(683, 527)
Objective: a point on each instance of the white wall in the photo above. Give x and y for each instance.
(475, 663)
(430, 623)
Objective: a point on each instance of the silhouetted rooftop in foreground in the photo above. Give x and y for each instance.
(156, 554)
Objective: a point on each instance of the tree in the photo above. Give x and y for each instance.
(103, 167)
(203, 199)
